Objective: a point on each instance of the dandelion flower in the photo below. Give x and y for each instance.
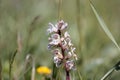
(43, 70)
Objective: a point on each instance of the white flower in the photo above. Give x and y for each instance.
(75, 56)
(69, 55)
(66, 34)
(52, 28)
(64, 43)
(55, 39)
(57, 53)
(64, 26)
(61, 25)
(73, 50)
(61, 45)
(70, 44)
(73, 53)
(57, 61)
(70, 65)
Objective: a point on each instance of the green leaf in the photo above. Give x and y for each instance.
(104, 26)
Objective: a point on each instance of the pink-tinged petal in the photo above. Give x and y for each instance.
(64, 26)
(69, 55)
(75, 56)
(70, 65)
(66, 34)
(55, 39)
(57, 61)
(73, 50)
(51, 28)
(58, 53)
(55, 36)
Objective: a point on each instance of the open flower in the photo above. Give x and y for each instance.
(69, 65)
(43, 70)
(52, 28)
(55, 39)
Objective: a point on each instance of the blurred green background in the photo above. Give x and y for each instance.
(23, 25)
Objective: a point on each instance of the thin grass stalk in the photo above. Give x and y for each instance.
(12, 58)
(78, 22)
(21, 76)
(59, 74)
(30, 31)
(80, 31)
(79, 75)
(104, 26)
(54, 73)
(28, 64)
(33, 71)
(108, 74)
(79, 27)
(0, 70)
(60, 10)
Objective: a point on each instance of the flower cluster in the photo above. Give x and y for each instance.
(61, 46)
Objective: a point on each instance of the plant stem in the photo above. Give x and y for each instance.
(67, 75)
(0, 70)
(80, 77)
(12, 58)
(107, 74)
(54, 74)
(33, 70)
(60, 9)
(80, 31)
(78, 23)
(63, 54)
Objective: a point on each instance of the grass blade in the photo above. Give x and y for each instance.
(0, 70)
(33, 70)
(12, 58)
(104, 26)
(79, 75)
(107, 74)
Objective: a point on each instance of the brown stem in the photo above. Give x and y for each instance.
(67, 75)
(63, 54)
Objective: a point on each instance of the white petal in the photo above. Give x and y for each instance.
(64, 26)
(66, 34)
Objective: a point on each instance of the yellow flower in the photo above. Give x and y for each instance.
(43, 70)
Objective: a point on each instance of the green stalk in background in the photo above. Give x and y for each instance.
(109, 34)
(12, 58)
(0, 70)
(79, 27)
(104, 26)
(116, 67)
(78, 23)
(60, 10)
(80, 32)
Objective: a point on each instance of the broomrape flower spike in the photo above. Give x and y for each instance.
(61, 46)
